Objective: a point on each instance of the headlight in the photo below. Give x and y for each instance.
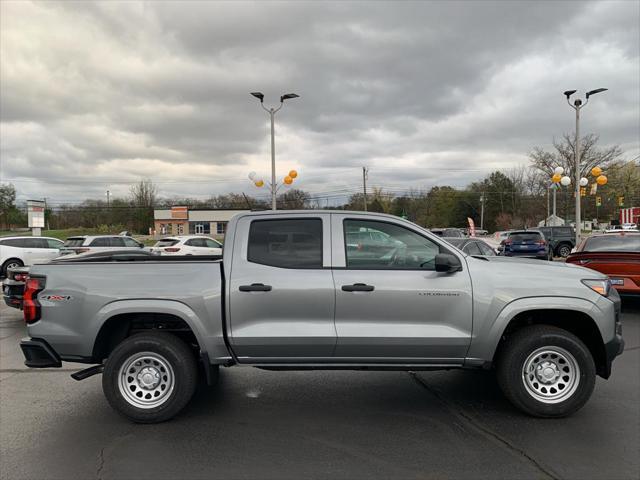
(600, 286)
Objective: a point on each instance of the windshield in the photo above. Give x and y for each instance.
(613, 243)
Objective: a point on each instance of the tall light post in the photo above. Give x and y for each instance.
(272, 112)
(577, 106)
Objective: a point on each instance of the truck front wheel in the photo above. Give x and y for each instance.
(546, 371)
(150, 377)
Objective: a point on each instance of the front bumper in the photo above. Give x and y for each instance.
(615, 346)
(39, 354)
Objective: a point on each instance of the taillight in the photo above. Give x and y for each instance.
(81, 250)
(171, 249)
(20, 277)
(30, 304)
(542, 243)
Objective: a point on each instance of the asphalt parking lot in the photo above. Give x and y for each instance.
(259, 424)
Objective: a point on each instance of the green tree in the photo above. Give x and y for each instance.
(7, 201)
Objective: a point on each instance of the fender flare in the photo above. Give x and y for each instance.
(486, 340)
(132, 306)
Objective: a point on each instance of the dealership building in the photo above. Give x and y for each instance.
(180, 220)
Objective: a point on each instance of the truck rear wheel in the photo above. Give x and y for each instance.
(150, 377)
(546, 371)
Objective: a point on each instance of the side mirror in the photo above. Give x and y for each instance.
(447, 263)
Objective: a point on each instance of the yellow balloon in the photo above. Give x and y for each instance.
(596, 171)
(288, 180)
(293, 174)
(259, 183)
(556, 178)
(602, 180)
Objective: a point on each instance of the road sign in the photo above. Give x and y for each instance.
(35, 213)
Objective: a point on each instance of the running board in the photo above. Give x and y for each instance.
(87, 372)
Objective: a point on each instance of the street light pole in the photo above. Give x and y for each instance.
(272, 112)
(577, 106)
(578, 173)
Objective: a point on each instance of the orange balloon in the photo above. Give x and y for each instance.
(293, 174)
(596, 171)
(556, 178)
(259, 183)
(602, 180)
(288, 180)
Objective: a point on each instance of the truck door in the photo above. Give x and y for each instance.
(391, 304)
(281, 291)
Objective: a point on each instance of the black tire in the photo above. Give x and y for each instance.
(163, 352)
(521, 347)
(563, 250)
(12, 262)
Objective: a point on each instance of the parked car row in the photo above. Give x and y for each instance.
(20, 251)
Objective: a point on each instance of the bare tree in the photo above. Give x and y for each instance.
(564, 156)
(143, 197)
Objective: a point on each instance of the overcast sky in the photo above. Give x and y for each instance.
(95, 96)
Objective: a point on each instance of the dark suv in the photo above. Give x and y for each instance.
(561, 239)
(525, 243)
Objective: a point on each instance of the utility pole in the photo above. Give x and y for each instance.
(45, 212)
(482, 211)
(365, 174)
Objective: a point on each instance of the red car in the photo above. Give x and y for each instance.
(614, 254)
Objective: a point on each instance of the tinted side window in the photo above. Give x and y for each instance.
(293, 243)
(15, 242)
(116, 242)
(195, 242)
(486, 249)
(565, 231)
(130, 242)
(100, 242)
(403, 248)
(211, 243)
(472, 249)
(52, 243)
(37, 243)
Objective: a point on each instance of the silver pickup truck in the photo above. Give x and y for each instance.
(323, 290)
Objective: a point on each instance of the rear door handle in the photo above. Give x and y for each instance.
(255, 287)
(358, 287)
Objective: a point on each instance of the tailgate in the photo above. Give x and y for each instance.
(614, 264)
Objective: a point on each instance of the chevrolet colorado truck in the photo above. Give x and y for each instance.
(323, 290)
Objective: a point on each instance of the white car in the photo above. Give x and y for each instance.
(98, 243)
(19, 251)
(187, 245)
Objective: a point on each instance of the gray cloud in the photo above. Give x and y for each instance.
(95, 95)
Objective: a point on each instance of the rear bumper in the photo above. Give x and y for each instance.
(12, 293)
(39, 354)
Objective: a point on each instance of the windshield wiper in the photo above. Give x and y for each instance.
(480, 257)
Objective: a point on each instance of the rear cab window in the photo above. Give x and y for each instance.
(286, 243)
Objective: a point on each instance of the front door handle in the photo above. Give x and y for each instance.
(358, 287)
(255, 287)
